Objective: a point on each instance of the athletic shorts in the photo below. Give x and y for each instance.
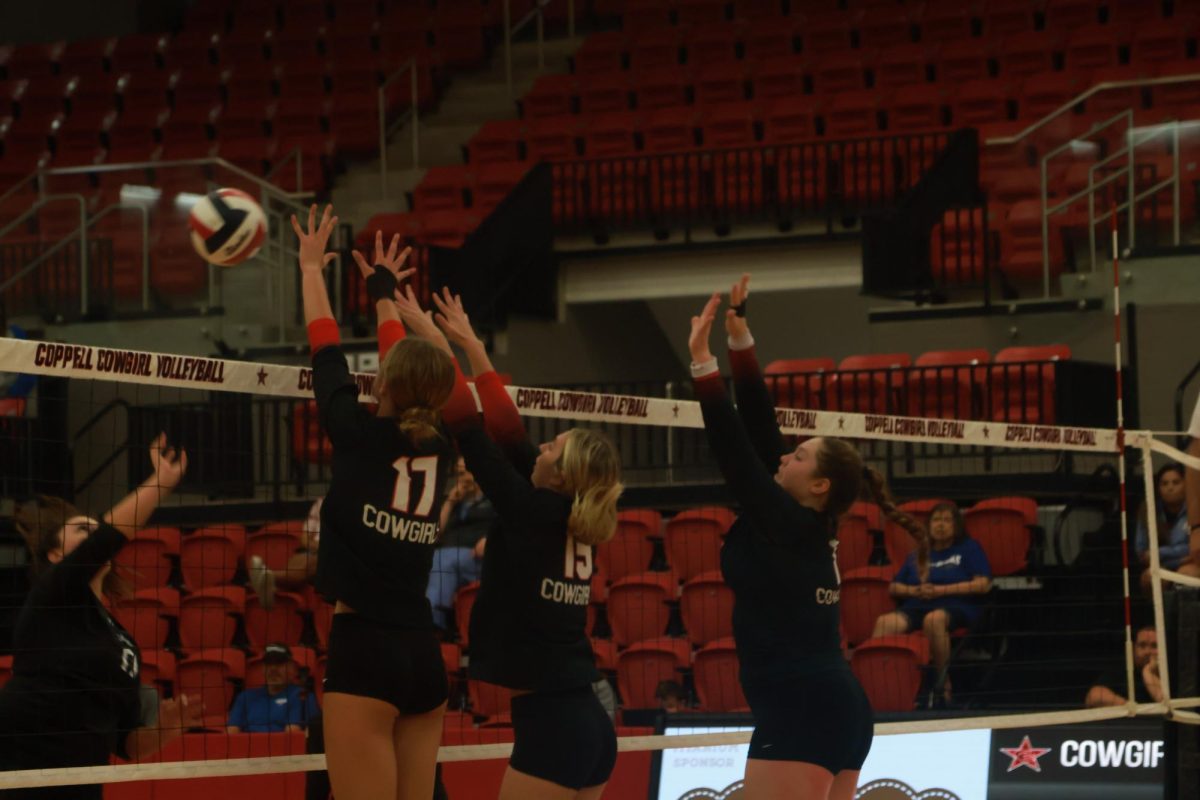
(962, 615)
(820, 718)
(396, 665)
(564, 737)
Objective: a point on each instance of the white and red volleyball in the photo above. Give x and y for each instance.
(227, 226)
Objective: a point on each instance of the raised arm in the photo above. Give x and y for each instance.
(382, 280)
(752, 485)
(754, 403)
(133, 511)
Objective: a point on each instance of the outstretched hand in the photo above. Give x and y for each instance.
(169, 464)
(736, 326)
(452, 318)
(702, 328)
(418, 320)
(180, 714)
(313, 257)
(393, 258)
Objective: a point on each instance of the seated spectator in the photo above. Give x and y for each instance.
(1170, 510)
(941, 585)
(671, 696)
(1111, 686)
(465, 518)
(280, 705)
(301, 567)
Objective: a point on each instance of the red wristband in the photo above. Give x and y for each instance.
(323, 333)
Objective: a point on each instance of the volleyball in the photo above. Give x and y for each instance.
(227, 226)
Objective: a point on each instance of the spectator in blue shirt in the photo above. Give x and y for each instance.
(940, 586)
(280, 705)
(1170, 509)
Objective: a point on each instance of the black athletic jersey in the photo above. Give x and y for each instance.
(779, 557)
(73, 697)
(528, 626)
(379, 521)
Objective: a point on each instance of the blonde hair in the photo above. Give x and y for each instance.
(418, 378)
(591, 469)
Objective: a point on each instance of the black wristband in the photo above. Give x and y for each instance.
(381, 284)
(740, 308)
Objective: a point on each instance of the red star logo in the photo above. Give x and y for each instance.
(1025, 756)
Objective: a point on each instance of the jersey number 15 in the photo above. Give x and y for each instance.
(402, 494)
(578, 561)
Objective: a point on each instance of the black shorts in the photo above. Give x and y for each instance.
(563, 737)
(396, 665)
(821, 718)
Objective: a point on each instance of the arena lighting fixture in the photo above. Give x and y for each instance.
(135, 193)
(185, 200)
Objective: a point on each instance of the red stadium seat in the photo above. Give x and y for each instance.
(865, 598)
(962, 60)
(1069, 15)
(464, 601)
(889, 671)
(1021, 255)
(497, 140)
(322, 621)
(1004, 17)
(148, 558)
(452, 658)
(660, 88)
(489, 699)
(829, 33)
(303, 657)
(782, 78)
(443, 188)
(1158, 40)
(655, 48)
(210, 675)
(728, 125)
(841, 71)
(697, 12)
(867, 384)
(275, 543)
(915, 108)
(282, 623)
(147, 614)
(551, 96)
(719, 83)
(611, 134)
(637, 606)
(630, 550)
(949, 385)
(208, 618)
(309, 443)
(208, 557)
(693, 540)
(605, 651)
(1092, 47)
(645, 14)
(1004, 536)
(881, 27)
(946, 21)
(901, 65)
(1028, 53)
(6, 666)
(981, 101)
(716, 677)
(788, 120)
(958, 245)
(158, 669)
(856, 535)
(1025, 392)
(552, 138)
(600, 52)
(797, 382)
(447, 228)
(601, 92)
(768, 39)
(493, 182)
(1026, 505)
(644, 665)
(706, 605)
(716, 43)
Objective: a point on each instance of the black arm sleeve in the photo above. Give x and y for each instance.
(509, 490)
(774, 512)
(757, 410)
(66, 583)
(521, 455)
(342, 416)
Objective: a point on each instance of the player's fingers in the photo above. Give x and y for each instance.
(312, 218)
(378, 247)
(296, 226)
(363, 266)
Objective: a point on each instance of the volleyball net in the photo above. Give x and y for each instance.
(218, 597)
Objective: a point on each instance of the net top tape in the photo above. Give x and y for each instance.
(86, 362)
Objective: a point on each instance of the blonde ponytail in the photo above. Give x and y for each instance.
(419, 424)
(591, 470)
(418, 379)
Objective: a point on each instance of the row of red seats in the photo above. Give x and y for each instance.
(890, 64)
(874, 22)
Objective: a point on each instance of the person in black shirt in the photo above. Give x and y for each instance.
(1111, 687)
(813, 723)
(465, 519)
(528, 628)
(385, 684)
(74, 697)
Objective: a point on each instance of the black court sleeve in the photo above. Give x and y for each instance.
(756, 408)
(66, 583)
(342, 416)
(775, 513)
(510, 491)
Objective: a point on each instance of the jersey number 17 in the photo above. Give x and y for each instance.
(402, 494)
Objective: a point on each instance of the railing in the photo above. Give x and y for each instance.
(535, 15)
(778, 184)
(80, 232)
(411, 67)
(294, 155)
(145, 215)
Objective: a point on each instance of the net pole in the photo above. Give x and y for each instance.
(1117, 363)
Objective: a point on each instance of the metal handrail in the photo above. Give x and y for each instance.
(258, 181)
(10, 191)
(534, 14)
(1001, 141)
(81, 230)
(141, 209)
(411, 67)
(297, 154)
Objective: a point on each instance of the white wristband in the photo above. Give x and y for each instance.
(743, 342)
(705, 368)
